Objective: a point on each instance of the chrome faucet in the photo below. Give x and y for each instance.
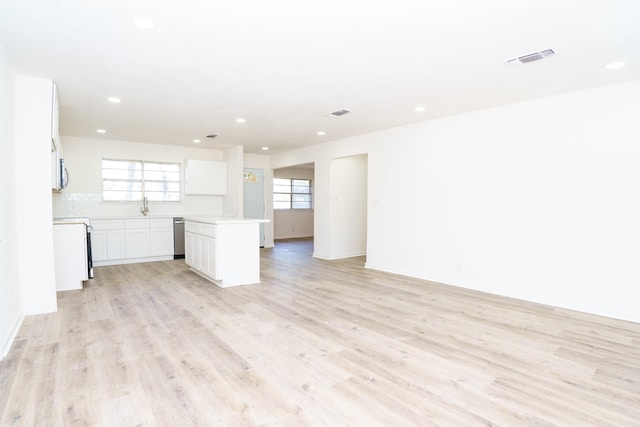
(145, 206)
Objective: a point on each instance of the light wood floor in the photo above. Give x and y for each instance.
(318, 343)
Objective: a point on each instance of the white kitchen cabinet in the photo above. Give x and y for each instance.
(55, 166)
(205, 177)
(55, 116)
(70, 255)
(214, 259)
(208, 256)
(99, 245)
(127, 240)
(196, 180)
(107, 240)
(191, 245)
(161, 237)
(201, 254)
(201, 258)
(136, 238)
(107, 245)
(224, 250)
(137, 243)
(136, 224)
(56, 143)
(190, 240)
(115, 244)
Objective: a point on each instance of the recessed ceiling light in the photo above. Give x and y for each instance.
(144, 23)
(101, 131)
(265, 148)
(321, 133)
(419, 109)
(196, 141)
(240, 120)
(615, 65)
(113, 100)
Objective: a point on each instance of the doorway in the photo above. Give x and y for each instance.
(294, 221)
(348, 207)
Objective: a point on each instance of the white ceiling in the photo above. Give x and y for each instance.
(283, 65)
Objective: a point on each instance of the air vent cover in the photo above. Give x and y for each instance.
(531, 57)
(213, 135)
(339, 113)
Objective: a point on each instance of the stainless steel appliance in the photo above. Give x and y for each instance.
(178, 238)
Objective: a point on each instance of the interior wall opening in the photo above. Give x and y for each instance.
(293, 203)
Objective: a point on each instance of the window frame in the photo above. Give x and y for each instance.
(142, 181)
(291, 194)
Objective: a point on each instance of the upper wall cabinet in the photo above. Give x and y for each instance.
(57, 168)
(55, 118)
(205, 177)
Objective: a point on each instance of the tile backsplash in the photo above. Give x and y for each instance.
(91, 205)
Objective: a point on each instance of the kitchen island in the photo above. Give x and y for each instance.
(224, 250)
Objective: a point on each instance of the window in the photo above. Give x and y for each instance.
(291, 193)
(131, 180)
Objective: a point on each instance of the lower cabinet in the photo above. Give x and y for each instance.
(118, 241)
(99, 245)
(226, 253)
(70, 255)
(189, 252)
(107, 240)
(161, 241)
(115, 244)
(209, 256)
(202, 253)
(136, 243)
(136, 238)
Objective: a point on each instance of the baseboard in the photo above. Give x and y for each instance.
(320, 255)
(293, 236)
(133, 260)
(339, 256)
(8, 342)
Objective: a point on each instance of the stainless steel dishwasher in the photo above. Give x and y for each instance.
(178, 238)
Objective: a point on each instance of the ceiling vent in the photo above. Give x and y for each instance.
(531, 57)
(339, 113)
(213, 135)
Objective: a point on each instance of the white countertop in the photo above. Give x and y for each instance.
(208, 219)
(224, 219)
(99, 218)
(79, 220)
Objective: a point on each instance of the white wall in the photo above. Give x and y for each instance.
(34, 227)
(292, 224)
(536, 200)
(257, 161)
(348, 209)
(83, 196)
(234, 201)
(11, 312)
